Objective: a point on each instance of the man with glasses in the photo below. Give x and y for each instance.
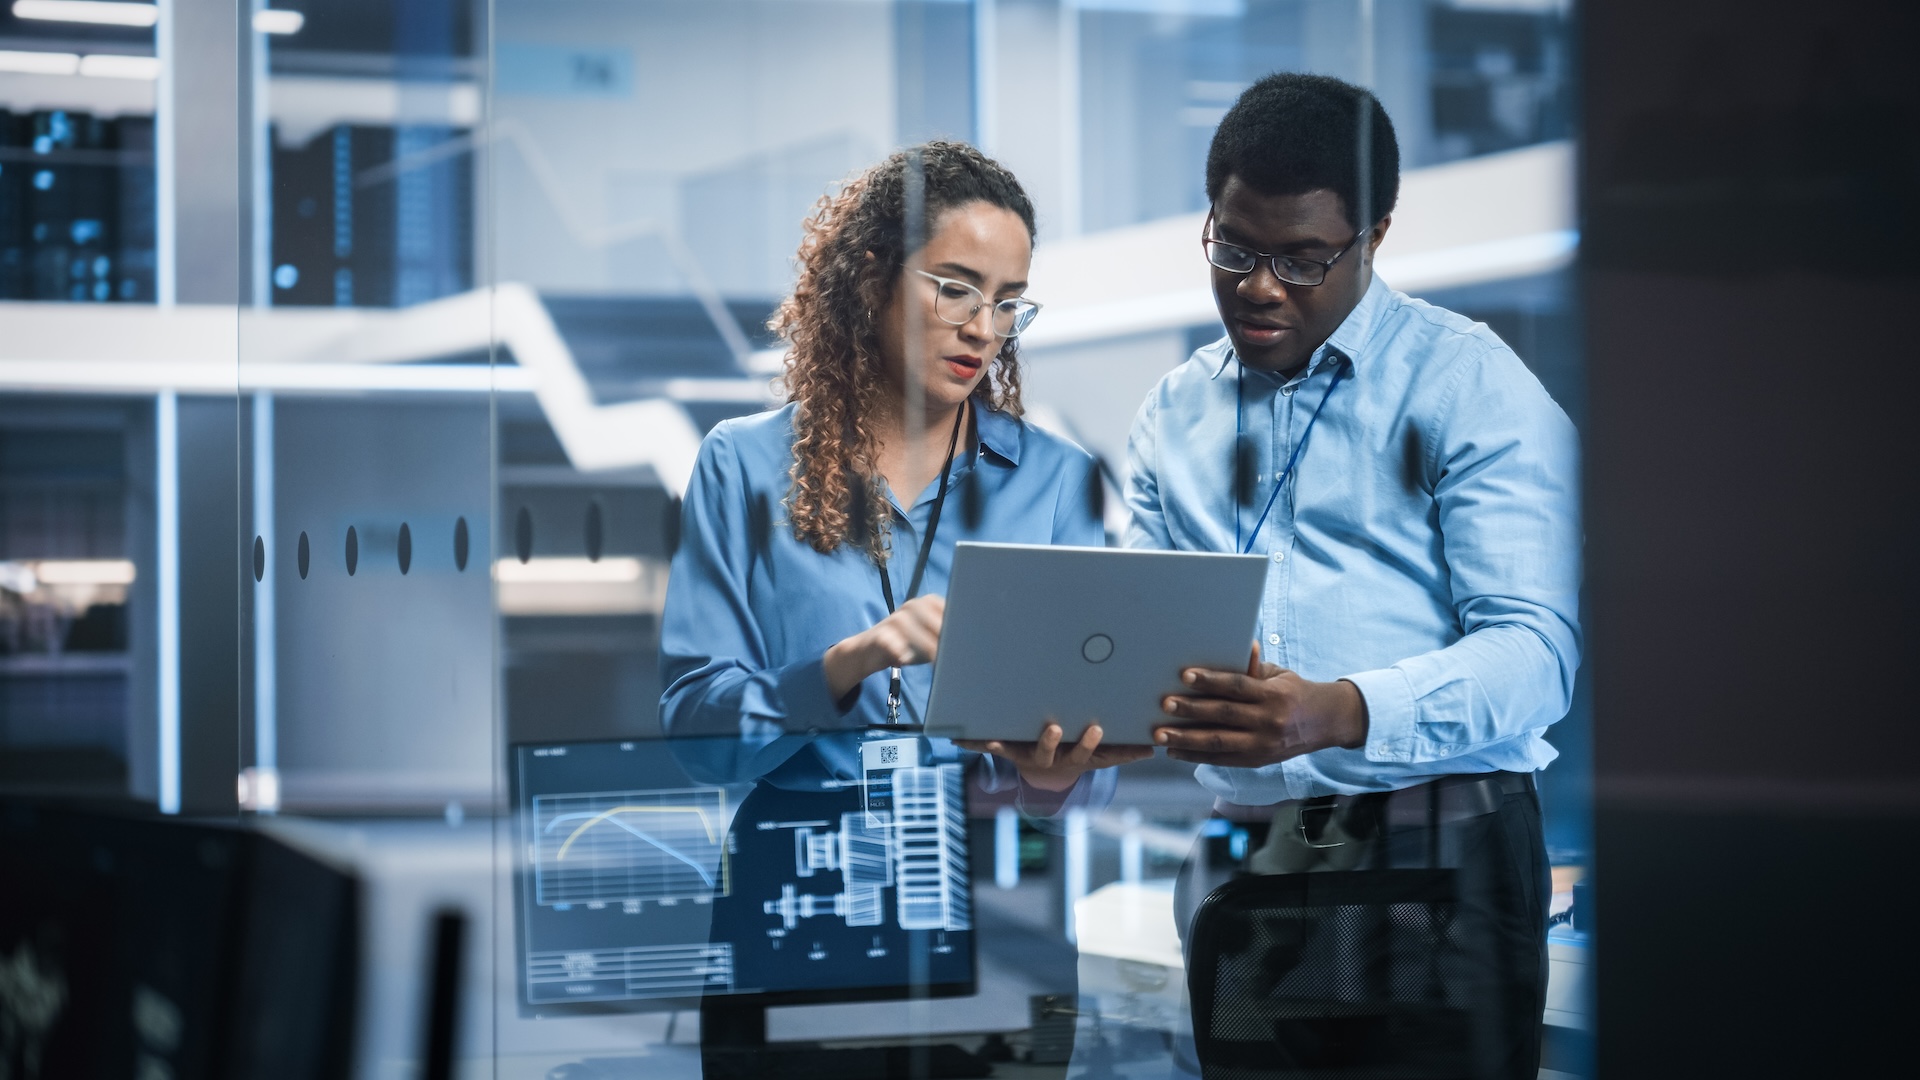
(1414, 490)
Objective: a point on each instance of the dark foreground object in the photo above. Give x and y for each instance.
(142, 946)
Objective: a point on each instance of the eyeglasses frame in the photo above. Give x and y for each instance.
(984, 303)
(1273, 260)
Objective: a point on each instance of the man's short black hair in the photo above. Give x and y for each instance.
(1290, 134)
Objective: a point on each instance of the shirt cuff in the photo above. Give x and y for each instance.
(809, 701)
(1092, 793)
(1391, 713)
(1037, 802)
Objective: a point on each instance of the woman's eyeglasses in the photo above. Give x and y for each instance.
(1291, 269)
(957, 302)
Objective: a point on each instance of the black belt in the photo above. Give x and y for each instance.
(1436, 802)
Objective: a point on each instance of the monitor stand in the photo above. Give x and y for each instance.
(733, 1044)
(732, 1025)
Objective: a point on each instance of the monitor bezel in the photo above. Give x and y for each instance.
(529, 1009)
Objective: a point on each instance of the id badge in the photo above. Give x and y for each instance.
(879, 758)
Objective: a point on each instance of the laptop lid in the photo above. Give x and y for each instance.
(1080, 635)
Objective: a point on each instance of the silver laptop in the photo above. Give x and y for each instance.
(1080, 635)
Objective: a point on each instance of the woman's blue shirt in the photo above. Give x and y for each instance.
(751, 610)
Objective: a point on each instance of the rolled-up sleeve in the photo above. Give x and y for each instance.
(1505, 463)
(713, 655)
(1048, 810)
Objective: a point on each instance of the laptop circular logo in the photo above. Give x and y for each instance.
(1097, 648)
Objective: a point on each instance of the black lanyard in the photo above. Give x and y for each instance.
(919, 564)
(1292, 459)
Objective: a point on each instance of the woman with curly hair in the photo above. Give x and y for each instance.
(805, 600)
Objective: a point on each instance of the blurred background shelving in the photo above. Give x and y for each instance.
(386, 180)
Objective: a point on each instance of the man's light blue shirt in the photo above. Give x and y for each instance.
(751, 609)
(1425, 548)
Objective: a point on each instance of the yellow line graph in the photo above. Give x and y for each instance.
(713, 837)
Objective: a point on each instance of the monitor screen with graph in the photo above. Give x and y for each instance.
(640, 887)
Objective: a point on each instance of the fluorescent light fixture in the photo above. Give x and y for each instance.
(276, 21)
(118, 66)
(18, 577)
(618, 585)
(39, 63)
(85, 572)
(87, 11)
(568, 571)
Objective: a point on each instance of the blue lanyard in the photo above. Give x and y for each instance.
(1292, 458)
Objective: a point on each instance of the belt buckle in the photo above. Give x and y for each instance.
(1300, 823)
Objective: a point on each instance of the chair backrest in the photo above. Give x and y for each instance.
(1341, 975)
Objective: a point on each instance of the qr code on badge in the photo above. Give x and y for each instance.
(890, 755)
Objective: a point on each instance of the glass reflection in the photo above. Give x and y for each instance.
(505, 269)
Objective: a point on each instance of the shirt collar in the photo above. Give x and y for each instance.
(1348, 340)
(997, 431)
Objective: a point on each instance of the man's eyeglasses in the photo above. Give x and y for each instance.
(1291, 269)
(957, 302)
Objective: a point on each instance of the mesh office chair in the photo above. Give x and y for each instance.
(1342, 975)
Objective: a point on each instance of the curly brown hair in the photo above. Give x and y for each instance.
(855, 245)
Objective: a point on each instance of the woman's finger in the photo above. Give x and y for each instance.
(1045, 747)
(927, 611)
(905, 651)
(920, 643)
(1082, 754)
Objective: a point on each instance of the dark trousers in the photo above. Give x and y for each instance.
(1503, 887)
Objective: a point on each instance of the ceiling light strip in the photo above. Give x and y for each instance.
(98, 12)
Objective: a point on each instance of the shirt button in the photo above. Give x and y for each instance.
(1273, 639)
(1279, 556)
(1280, 475)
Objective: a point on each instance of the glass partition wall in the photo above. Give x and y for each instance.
(499, 269)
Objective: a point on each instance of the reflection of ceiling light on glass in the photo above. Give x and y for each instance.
(40, 63)
(269, 21)
(114, 66)
(84, 572)
(99, 65)
(273, 21)
(87, 11)
(561, 571)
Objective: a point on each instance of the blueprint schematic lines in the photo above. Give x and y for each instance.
(918, 849)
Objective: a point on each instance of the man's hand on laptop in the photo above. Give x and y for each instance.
(1265, 715)
(1047, 765)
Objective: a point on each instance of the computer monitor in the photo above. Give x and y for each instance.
(640, 887)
